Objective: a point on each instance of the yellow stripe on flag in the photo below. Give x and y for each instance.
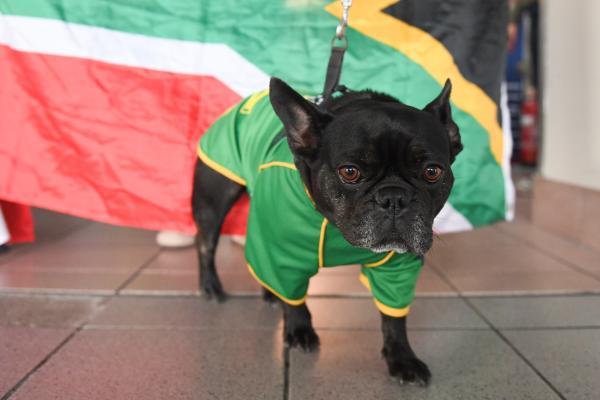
(367, 17)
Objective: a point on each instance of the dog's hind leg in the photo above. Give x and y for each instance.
(269, 297)
(213, 196)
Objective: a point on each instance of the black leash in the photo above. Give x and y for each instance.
(339, 44)
(334, 71)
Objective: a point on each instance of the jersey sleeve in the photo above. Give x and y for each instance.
(219, 147)
(393, 283)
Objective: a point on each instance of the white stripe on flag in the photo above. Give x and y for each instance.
(509, 187)
(54, 37)
(450, 220)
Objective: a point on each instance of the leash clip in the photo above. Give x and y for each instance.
(340, 30)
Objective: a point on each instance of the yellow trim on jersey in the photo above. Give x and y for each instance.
(278, 164)
(270, 289)
(422, 48)
(219, 168)
(390, 311)
(252, 100)
(322, 243)
(289, 166)
(380, 262)
(387, 310)
(365, 281)
(309, 196)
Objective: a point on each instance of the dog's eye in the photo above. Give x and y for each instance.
(432, 173)
(349, 173)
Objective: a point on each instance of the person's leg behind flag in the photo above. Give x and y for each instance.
(18, 220)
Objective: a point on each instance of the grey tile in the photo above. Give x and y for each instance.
(467, 260)
(498, 282)
(543, 311)
(159, 283)
(236, 280)
(176, 271)
(122, 364)
(82, 257)
(569, 359)
(523, 208)
(60, 281)
(450, 313)
(47, 311)
(497, 265)
(193, 312)
(104, 234)
(465, 365)
(550, 196)
(570, 252)
(21, 349)
(431, 283)
(590, 228)
(179, 260)
(484, 237)
(51, 225)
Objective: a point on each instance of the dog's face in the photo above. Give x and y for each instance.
(376, 168)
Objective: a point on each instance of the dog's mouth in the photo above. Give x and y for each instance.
(387, 247)
(415, 245)
(415, 237)
(400, 242)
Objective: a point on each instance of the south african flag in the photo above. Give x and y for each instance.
(102, 101)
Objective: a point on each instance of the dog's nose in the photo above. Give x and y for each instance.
(392, 198)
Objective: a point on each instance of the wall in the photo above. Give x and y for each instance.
(571, 95)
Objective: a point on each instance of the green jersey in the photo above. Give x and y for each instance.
(288, 240)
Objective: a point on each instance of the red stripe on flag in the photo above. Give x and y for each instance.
(101, 141)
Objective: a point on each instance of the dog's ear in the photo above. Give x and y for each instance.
(440, 108)
(302, 120)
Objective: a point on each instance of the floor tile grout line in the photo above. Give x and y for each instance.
(502, 337)
(24, 379)
(286, 373)
(561, 260)
(192, 328)
(47, 358)
(549, 328)
(83, 294)
(138, 272)
(185, 328)
(516, 350)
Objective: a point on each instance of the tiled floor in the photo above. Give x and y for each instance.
(97, 312)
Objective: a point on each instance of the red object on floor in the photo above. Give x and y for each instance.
(529, 132)
(19, 220)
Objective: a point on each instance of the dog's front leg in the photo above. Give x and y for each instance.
(401, 360)
(297, 328)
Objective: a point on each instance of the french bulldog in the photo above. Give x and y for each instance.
(375, 169)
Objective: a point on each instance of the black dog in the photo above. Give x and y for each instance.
(378, 170)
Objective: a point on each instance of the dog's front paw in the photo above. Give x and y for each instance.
(303, 337)
(409, 370)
